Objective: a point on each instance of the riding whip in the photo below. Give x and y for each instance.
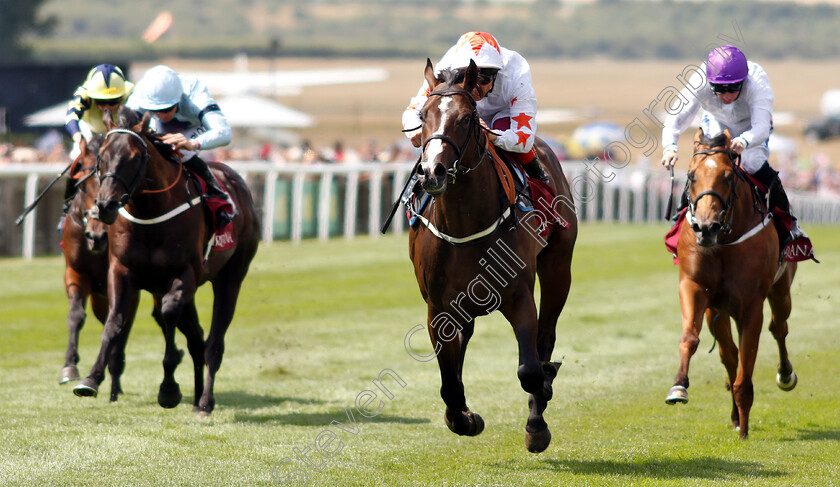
(38, 198)
(396, 205)
(670, 205)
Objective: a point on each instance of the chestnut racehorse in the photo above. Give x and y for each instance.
(162, 249)
(84, 243)
(473, 254)
(729, 264)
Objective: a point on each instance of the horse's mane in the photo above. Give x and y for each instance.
(95, 143)
(712, 142)
(129, 119)
(452, 76)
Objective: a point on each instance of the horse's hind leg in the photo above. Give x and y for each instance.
(225, 294)
(780, 307)
(721, 328)
(554, 269)
(190, 327)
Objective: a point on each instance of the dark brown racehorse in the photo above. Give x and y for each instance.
(167, 258)
(85, 244)
(461, 277)
(729, 264)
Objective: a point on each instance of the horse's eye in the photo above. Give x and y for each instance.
(691, 176)
(422, 116)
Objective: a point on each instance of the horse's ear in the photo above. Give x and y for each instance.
(728, 137)
(108, 120)
(698, 136)
(429, 74)
(143, 126)
(471, 76)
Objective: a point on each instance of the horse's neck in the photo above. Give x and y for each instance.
(745, 216)
(473, 201)
(159, 175)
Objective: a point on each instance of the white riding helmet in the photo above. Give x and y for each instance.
(159, 88)
(480, 47)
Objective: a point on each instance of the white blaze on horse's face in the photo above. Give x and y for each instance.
(710, 163)
(435, 147)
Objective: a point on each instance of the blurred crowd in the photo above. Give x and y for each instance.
(817, 173)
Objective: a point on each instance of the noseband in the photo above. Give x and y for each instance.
(457, 169)
(725, 214)
(130, 188)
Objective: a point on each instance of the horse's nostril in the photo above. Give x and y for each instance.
(440, 171)
(695, 227)
(715, 227)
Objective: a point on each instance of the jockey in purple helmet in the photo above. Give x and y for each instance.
(739, 98)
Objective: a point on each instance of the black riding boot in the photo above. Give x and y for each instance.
(777, 199)
(535, 170)
(198, 166)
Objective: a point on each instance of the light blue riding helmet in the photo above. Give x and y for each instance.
(159, 88)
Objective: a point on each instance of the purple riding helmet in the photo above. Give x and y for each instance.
(726, 67)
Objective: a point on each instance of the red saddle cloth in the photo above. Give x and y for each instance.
(798, 250)
(543, 197)
(224, 236)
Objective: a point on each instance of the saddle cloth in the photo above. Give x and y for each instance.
(224, 236)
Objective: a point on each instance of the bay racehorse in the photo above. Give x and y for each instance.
(729, 264)
(474, 256)
(159, 243)
(85, 246)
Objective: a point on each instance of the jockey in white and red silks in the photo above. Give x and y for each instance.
(504, 97)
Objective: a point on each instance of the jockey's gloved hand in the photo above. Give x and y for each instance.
(669, 156)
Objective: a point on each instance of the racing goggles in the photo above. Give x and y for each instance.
(726, 88)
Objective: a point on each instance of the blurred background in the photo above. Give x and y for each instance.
(308, 81)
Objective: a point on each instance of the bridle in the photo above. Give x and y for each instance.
(144, 162)
(473, 133)
(725, 214)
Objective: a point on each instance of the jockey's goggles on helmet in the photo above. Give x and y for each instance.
(486, 75)
(727, 88)
(107, 101)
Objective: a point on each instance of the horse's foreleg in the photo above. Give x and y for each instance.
(750, 329)
(181, 292)
(693, 303)
(120, 293)
(77, 293)
(721, 328)
(780, 307)
(449, 340)
(116, 361)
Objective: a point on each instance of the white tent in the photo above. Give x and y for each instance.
(242, 111)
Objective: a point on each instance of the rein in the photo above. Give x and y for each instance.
(135, 182)
(727, 202)
(458, 169)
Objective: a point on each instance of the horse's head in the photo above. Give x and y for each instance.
(450, 126)
(122, 164)
(710, 188)
(83, 171)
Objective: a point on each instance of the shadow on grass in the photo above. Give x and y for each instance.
(690, 468)
(247, 400)
(816, 435)
(323, 419)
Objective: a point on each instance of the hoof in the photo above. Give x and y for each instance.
(677, 394)
(203, 414)
(68, 373)
(474, 421)
(537, 442)
(87, 388)
(169, 396)
(789, 384)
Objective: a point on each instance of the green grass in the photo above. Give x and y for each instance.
(316, 323)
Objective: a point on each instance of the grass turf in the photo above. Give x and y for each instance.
(316, 323)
